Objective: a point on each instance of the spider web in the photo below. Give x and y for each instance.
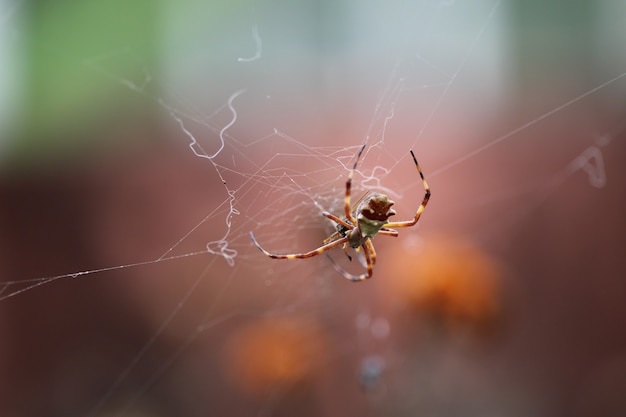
(129, 281)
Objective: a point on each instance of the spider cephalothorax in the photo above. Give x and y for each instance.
(360, 225)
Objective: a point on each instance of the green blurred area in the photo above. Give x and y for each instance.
(61, 93)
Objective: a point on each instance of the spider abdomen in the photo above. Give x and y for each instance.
(372, 214)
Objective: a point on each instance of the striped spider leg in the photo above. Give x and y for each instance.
(359, 226)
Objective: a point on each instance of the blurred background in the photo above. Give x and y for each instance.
(141, 142)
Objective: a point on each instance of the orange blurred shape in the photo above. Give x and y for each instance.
(272, 351)
(451, 280)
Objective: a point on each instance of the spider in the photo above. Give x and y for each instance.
(360, 225)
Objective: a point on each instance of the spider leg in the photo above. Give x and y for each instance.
(372, 251)
(338, 220)
(314, 252)
(388, 232)
(422, 206)
(347, 208)
(332, 238)
(345, 250)
(356, 278)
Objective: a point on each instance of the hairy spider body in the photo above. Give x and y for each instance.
(372, 213)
